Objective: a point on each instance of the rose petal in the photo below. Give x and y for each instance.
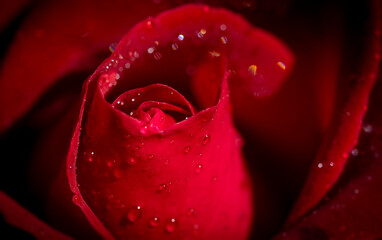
(45, 49)
(121, 153)
(352, 210)
(333, 154)
(21, 218)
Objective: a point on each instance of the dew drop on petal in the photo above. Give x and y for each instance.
(187, 149)
(174, 46)
(171, 225)
(149, 24)
(131, 161)
(157, 55)
(161, 187)
(367, 128)
(223, 27)
(166, 162)
(76, 199)
(151, 156)
(198, 169)
(153, 222)
(320, 165)
(355, 152)
(224, 39)
(180, 37)
(190, 212)
(206, 139)
(134, 213)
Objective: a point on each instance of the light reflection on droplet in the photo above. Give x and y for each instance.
(150, 50)
(224, 39)
(355, 152)
(174, 46)
(180, 37)
(252, 69)
(154, 221)
(112, 47)
(206, 139)
(134, 213)
(214, 54)
(198, 169)
(367, 128)
(223, 27)
(190, 212)
(131, 161)
(320, 165)
(127, 65)
(281, 65)
(187, 149)
(157, 55)
(171, 225)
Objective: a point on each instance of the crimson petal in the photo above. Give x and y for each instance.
(21, 218)
(127, 180)
(333, 153)
(45, 49)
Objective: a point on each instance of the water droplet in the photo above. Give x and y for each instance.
(171, 225)
(174, 46)
(367, 128)
(150, 50)
(187, 149)
(154, 221)
(76, 199)
(127, 65)
(134, 213)
(320, 165)
(201, 33)
(223, 27)
(356, 191)
(161, 188)
(206, 139)
(224, 39)
(198, 169)
(143, 129)
(190, 212)
(281, 65)
(141, 144)
(180, 37)
(157, 55)
(131, 161)
(252, 69)
(166, 162)
(331, 164)
(112, 47)
(149, 24)
(355, 152)
(214, 54)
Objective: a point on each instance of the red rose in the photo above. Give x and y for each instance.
(157, 148)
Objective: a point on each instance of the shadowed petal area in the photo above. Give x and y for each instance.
(40, 55)
(17, 216)
(332, 156)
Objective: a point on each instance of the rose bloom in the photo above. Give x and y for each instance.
(162, 119)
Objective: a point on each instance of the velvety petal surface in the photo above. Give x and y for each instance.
(185, 178)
